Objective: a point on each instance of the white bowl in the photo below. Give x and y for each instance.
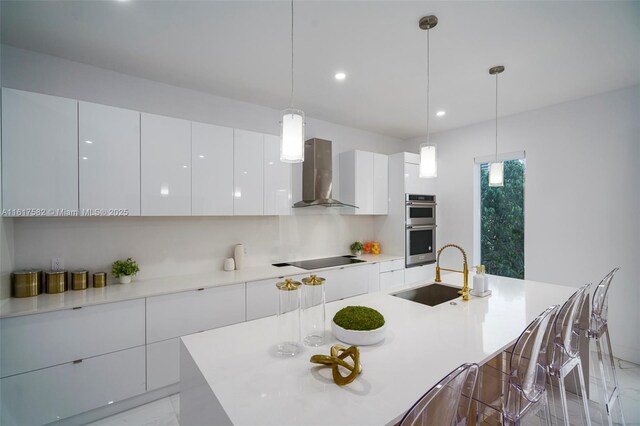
(359, 337)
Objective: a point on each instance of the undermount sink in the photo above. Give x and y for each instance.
(432, 294)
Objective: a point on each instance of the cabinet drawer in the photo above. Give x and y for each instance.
(420, 274)
(391, 265)
(163, 363)
(391, 279)
(46, 395)
(36, 341)
(179, 314)
(346, 282)
(262, 296)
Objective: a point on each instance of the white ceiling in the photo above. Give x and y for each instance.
(553, 52)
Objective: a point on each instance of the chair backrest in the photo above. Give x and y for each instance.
(528, 363)
(440, 406)
(566, 328)
(600, 305)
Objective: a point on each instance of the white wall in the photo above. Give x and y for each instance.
(170, 246)
(582, 200)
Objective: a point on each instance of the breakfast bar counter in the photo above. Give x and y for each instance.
(232, 375)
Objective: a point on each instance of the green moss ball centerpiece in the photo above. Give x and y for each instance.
(358, 325)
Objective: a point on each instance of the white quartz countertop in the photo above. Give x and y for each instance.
(423, 344)
(138, 289)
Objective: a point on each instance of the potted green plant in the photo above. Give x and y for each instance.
(356, 248)
(358, 325)
(124, 270)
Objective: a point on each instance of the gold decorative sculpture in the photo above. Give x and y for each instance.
(337, 359)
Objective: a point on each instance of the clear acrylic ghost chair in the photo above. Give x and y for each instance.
(599, 333)
(442, 405)
(523, 389)
(565, 354)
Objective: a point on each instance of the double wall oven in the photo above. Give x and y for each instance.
(420, 229)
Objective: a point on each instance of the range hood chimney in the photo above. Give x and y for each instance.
(317, 175)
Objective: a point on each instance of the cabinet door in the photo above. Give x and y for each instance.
(36, 341)
(179, 314)
(277, 179)
(39, 153)
(212, 170)
(163, 363)
(109, 149)
(364, 182)
(380, 184)
(420, 274)
(54, 393)
(346, 282)
(248, 191)
(391, 279)
(166, 164)
(414, 184)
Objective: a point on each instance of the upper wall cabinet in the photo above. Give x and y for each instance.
(166, 166)
(277, 179)
(39, 154)
(413, 183)
(211, 170)
(364, 182)
(248, 182)
(109, 165)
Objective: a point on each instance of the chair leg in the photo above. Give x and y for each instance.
(603, 385)
(563, 397)
(615, 396)
(583, 391)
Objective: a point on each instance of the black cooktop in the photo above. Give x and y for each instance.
(325, 262)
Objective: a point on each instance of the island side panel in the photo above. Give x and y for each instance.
(198, 404)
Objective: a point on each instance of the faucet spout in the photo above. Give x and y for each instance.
(465, 269)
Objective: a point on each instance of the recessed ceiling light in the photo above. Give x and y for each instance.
(85, 158)
(88, 141)
(340, 76)
(441, 113)
(201, 156)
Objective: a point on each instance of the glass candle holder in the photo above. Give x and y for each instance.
(289, 318)
(313, 310)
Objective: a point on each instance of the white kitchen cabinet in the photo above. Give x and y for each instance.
(54, 393)
(109, 164)
(420, 274)
(364, 182)
(380, 184)
(277, 179)
(346, 281)
(163, 363)
(36, 341)
(248, 177)
(211, 170)
(166, 166)
(391, 265)
(179, 314)
(391, 279)
(413, 183)
(262, 296)
(39, 154)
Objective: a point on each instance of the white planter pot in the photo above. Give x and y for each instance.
(358, 337)
(125, 279)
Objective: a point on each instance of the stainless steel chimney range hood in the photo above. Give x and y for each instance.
(317, 175)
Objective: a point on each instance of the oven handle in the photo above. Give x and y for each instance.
(419, 204)
(411, 227)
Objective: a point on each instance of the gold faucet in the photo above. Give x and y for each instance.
(465, 270)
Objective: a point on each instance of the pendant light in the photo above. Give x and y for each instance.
(292, 133)
(496, 168)
(428, 161)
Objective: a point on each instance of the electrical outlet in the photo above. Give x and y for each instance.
(57, 264)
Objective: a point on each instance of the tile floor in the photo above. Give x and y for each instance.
(166, 411)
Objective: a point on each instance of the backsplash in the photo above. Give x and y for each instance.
(172, 246)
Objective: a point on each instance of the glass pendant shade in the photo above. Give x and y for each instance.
(292, 136)
(496, 174)
(428, 164)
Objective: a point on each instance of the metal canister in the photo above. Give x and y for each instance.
(55, 282)
(26, 283)
(99, 279)
(79, 280)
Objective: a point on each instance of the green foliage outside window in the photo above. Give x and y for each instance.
(502, 221)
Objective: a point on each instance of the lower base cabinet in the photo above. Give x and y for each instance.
(163, 363)
(391, 279)
(420, 274)
(54, 393)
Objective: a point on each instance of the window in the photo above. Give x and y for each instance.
(500, 219)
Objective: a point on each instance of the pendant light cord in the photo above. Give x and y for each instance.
(496, 117)
(428, 86)
(291, 97)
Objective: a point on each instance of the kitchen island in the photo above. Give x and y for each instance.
(232, 375)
